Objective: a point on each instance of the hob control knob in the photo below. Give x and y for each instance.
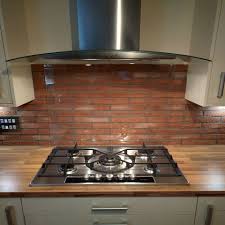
(121, 176)
(98, 176)
(132, 176)
(109, 176)
(86, 176)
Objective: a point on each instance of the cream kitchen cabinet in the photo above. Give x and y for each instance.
(16, 83)
(31, 27)
(180, 26)
(210, 211)
(205, 22)
(205, 79)
(11, 211)
(48, 25)
(89, 211)
(14, 29)
(166, 26)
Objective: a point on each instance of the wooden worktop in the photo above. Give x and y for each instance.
(203, 166)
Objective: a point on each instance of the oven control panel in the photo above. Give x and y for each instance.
(9, 123)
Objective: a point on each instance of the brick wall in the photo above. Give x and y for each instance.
(115, 104)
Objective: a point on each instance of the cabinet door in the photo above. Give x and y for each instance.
(166, 25)
(55, 211)
(218, 65)
(14, 31)
(14, 208)
(5, 92)
(211, 209)
(48, 26)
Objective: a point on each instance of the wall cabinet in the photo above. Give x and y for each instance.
(210, 211)
(32, 27)
(11, 209)
(48, 26)
(166, 26)
(89, 211)
(13, 26)
(205, 80)
(16, 83)
(180, 26)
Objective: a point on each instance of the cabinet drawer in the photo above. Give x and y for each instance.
(143, 205)
(147, 219)
(171, 219)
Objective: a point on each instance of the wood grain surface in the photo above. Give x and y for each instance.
(203, 166)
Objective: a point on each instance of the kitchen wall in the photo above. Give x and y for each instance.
(114, 104)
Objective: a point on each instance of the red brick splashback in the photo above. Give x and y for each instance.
(115, 105)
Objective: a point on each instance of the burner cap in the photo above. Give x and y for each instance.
(110, 160)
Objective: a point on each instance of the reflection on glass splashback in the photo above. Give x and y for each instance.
(124, 105)
(113, 105)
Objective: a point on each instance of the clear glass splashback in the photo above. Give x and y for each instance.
(113, 104)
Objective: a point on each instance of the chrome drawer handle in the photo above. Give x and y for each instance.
(110, 223)
(108, 209)
(221, 85)
(11, 215)
(209, 215)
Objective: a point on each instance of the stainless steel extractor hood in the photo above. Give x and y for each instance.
(106, 30)
(105, 24)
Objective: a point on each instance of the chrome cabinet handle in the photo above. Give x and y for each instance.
(11, 215)
(209, 215)
(221, 85)
(108, 209)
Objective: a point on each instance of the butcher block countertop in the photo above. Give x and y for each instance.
(203, 166)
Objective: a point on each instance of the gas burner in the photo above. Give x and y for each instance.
(110, 163)
(110, 160)
(67, 169)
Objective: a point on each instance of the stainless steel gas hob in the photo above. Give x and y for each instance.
(109, 165)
